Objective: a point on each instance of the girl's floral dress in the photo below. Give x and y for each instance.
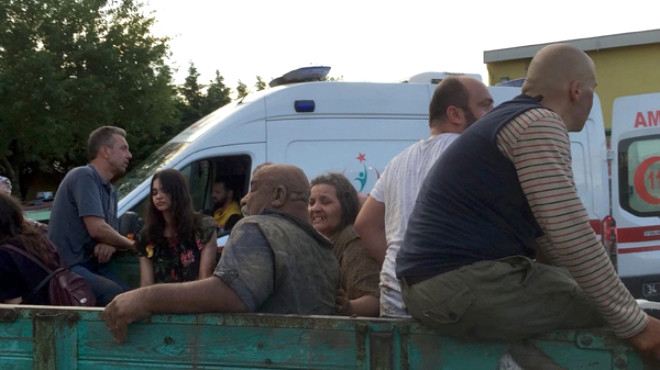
(178, 260)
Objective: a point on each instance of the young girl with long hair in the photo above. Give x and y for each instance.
(176, 243)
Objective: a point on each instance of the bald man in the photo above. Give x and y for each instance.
(500, 200)
(266, 266)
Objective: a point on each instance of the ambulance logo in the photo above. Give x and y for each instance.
(363, 176)
(647, 180)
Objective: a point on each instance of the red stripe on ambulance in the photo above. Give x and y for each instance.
(638, 234)
(639, 249)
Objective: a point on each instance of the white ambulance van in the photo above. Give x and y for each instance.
(349, 127)
(635, 141)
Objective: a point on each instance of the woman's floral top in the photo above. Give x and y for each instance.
(178, 261)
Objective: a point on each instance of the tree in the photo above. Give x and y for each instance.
(260, 84)
(241, 90)
(192, 107)
(217, 94)
(69, 66)
(194, 103)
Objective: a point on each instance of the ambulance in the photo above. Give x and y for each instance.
(354, 128)
(635, 142)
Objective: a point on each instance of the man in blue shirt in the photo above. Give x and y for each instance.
(83, 223)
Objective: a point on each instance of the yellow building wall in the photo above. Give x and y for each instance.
(507, 70)
(623, 71)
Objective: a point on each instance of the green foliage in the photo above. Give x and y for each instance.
(241, 90)
(196, 103)
(260, 84)
(191, 109)
(217, 94)
(69, 66)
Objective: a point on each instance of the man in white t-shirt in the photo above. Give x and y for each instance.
(457, 102)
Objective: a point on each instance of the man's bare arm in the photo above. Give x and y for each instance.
(367, 305)
(370, 225)
(200, 296)
(100, 231)
(207, 258)
(146, 272)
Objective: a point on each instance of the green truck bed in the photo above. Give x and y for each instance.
(44, 337)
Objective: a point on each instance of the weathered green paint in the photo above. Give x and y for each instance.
(57, 344)
(33, 337)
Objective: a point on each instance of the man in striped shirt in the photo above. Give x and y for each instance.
(499, 245)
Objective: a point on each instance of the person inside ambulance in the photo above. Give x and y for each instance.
(226, 210)
(468, 265)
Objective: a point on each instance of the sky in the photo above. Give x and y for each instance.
(380, 41)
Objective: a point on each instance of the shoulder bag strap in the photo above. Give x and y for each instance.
(34, 259)
(28, 255)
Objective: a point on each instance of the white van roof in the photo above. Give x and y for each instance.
(327, 98)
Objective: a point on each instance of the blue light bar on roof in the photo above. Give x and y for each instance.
(304, 74)
(304, 106)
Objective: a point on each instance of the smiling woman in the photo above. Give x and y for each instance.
(333, 207)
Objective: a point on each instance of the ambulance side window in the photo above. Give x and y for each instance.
(639, 175)
(199, 181)
(202, 173)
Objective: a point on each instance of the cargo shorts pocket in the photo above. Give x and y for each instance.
(544, 280)
(458, 300)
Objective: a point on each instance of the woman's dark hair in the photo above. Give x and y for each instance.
(173, 183)
(15, 231)
(346, 193)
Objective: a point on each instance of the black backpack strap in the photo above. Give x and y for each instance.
(34, 259)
